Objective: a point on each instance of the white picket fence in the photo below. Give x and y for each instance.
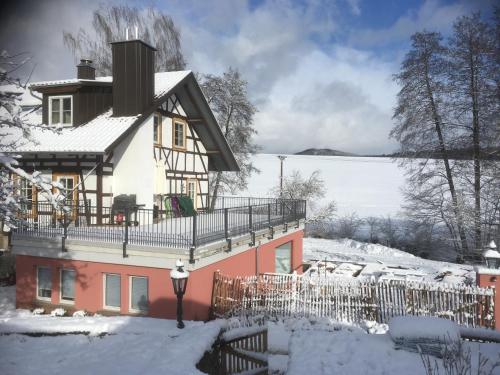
(350, 300)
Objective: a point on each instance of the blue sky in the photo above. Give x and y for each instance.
(319, 71)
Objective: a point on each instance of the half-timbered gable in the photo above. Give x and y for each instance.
(161, 145)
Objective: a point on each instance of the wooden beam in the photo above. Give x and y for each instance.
(99, 174)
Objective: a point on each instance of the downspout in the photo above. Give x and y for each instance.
(257, 259)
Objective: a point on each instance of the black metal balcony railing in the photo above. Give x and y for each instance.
(232, 217)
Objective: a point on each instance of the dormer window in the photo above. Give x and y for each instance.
(61, 110)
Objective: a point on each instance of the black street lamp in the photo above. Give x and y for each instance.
(179, 280)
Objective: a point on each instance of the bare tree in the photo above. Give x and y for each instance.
(311, 189)
(109, 25)
(348, 225)
(389, 231)
(228, 98)
(422, 120)
(372, 223)
(473, 77)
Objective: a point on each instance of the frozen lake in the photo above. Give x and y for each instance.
(365, 185)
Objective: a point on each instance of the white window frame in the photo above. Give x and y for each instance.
(51, 98)
(130, 308)
(106, 307)
(38, 297)
(61, 299)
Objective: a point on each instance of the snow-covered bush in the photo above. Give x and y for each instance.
(79, 314)
(58, 312)
(38, 311)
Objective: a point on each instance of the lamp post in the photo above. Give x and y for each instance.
(179, 279)
(282, 158)
(491, 255)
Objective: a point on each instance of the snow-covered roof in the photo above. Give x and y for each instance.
(64, 82)
(93, 137)
(164, 81)
(101, 132)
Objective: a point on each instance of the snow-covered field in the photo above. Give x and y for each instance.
(367, 186)
(378, 259)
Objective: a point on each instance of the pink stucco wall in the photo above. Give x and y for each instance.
(162, 303)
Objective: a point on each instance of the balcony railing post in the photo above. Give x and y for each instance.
(269, 214)
(250, 218)
(195, 228)
(226, 228)
(125, 239)
(65, 231)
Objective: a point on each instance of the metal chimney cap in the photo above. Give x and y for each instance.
(85, 62)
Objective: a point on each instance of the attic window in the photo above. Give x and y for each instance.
(179, 136)
(61, 110)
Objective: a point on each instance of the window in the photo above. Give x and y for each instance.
(26, 191)
(283, 258)
(112, 291)
(44, 283)
(60, 110)
(138, 294)
(157, 129)
(191, 190)
(68, 182)
(68, 285)
(179, 135)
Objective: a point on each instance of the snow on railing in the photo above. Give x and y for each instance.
(351, 300)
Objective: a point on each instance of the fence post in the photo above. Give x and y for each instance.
(269, 214)
(125, 240)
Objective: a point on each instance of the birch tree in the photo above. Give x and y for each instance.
(422, 121)
(109, 24)
(228, 99)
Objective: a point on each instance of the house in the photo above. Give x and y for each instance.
(124, 149)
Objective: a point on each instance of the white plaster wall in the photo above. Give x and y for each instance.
(134, 165)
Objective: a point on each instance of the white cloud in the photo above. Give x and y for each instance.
(432, 15)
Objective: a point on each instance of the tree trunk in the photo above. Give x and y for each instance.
(477, 158)
(446, 161)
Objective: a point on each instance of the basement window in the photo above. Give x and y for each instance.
(179, 136)
(44, 283)
(139, 294)
(61, 110)
(68, 285)
(112, 291)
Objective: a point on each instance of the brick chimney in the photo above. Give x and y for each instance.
(133, 77)
(85, 70)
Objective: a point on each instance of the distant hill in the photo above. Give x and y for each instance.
(324, 152)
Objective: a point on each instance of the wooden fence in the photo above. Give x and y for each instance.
(350, 300)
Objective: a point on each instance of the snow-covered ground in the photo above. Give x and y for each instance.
(367, 186)
(132, 345)
(378, 260)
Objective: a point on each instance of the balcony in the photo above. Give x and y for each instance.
(233, 220)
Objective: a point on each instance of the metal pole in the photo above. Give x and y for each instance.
(282, 158)
(180, 323)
